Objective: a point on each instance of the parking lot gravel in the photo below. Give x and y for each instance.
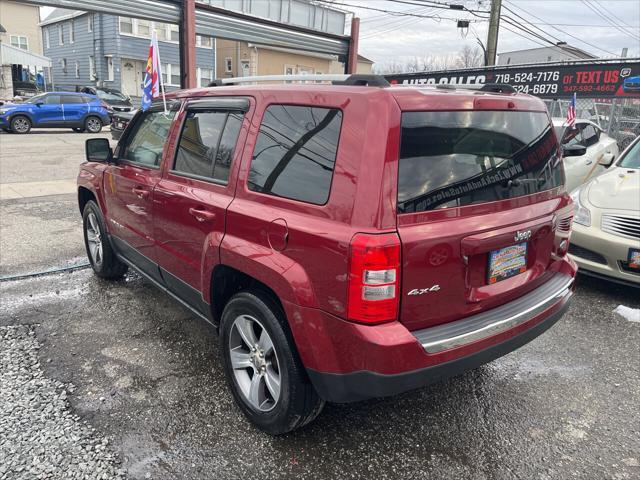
(40, 438)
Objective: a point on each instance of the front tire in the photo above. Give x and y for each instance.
(93, 124)
(103, 259)
(266, 377)
(20, 124)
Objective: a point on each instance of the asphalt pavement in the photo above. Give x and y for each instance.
(147, 375)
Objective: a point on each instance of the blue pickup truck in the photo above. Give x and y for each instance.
(79, 111)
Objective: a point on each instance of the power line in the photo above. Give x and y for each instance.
(608, 19)
(562, 31)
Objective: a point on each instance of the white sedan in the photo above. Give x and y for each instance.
(602, 150)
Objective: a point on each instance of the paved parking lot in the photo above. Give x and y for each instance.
(145, 374)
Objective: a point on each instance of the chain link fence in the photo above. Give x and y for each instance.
(618, 118)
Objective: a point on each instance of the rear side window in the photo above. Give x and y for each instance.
(207, 144)
(452, 159)
(295, 152)
(70, 99)
(145, 142)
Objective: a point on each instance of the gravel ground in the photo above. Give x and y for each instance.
(39, 436)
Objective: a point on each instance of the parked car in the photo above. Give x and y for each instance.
(81, 112)
(601, 150)
(118, 101)
(605, 242)
(631, 84)
(119, 122)
(349, 241)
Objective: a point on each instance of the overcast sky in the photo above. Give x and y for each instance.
(385, 37)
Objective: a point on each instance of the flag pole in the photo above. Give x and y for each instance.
(157, 52)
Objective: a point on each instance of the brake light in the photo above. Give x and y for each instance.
(374, 278)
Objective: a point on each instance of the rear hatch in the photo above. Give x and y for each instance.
(478, 202)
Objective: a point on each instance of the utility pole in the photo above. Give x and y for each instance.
(492, 37)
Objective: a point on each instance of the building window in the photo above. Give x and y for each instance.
(90, 23)
(77, 69)
(205, 75)
(19, 41)
(174, 33)
(61, 35)
(72, 31)
(228, 64)
(175, 75)
(289, 69)
(92, 68)
(110, 71)
(161, 31)
(203, 41)
(126, 25)
(144, 28)
(63, 64)
(171, 75)
(47, 39)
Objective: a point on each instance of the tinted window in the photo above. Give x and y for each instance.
(295, 152)
(69, 99)
(147, 137)
(52, 100)
(589, 136)
(199, 142)
(573, 136)
(450, 159)
(227, 146)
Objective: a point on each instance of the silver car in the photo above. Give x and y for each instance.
(605, 241)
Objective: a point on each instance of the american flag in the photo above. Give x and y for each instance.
(571, 112)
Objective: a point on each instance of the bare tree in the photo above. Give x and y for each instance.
(469, 57)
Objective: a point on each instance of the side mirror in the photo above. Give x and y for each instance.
(606, 160)
(98, 150)
(39, 104)
(574, 151)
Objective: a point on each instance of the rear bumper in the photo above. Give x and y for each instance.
(350, 362)
(356, 386)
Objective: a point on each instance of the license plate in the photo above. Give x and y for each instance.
(634, 258)
(507, 262)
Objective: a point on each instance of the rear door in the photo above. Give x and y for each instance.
(74, 108)
(191, 199)
(477, 199)
(129, 185)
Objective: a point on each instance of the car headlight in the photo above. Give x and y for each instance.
(581, 214)
(4, 111)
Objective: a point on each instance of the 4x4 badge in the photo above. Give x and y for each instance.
(522, 235)
(422, 291)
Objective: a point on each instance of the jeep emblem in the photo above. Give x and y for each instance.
(522, 235)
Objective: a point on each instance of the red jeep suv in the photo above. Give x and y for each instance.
(349, 240)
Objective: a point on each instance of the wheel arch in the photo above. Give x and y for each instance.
(84, 196)
(22, 114)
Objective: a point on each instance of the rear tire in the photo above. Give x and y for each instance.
(93, 124)
(20, 124)
(268, 381)
(102, 257)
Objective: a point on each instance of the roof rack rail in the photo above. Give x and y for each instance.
(335, 79)
(483, 87)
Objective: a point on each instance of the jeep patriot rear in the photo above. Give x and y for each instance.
(348, 241)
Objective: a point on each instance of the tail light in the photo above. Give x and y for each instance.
(374, 278)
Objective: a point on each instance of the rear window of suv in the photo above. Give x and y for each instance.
(452, 159)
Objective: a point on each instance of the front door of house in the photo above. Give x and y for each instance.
(132, 77)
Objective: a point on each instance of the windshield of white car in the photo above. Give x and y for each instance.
(632, 158)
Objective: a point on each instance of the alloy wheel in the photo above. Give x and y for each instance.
(255, 363)
(20, 125)
(94, 239)
(93, 125)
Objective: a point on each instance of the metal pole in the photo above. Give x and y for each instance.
(352, 58)
(492, 36)
(188, 44)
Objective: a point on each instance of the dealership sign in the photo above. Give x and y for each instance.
(588, 79)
